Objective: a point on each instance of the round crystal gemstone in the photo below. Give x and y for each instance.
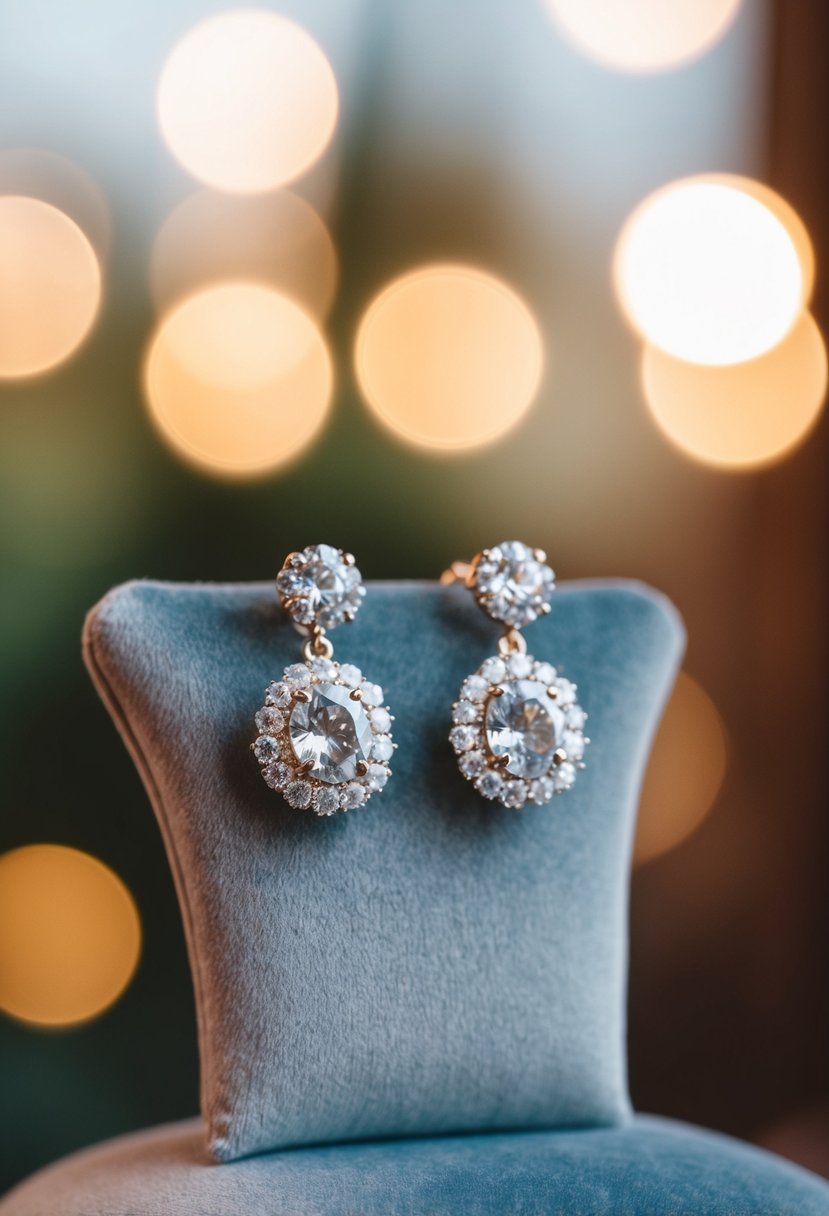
(512, 584)
(330, 733)
(318, 586)
(525, 725)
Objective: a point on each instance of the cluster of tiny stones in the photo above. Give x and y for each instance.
(359, 746)
(518, 731)
(320, 586)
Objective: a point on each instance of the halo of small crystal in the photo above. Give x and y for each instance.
(468, 733)
(513, 583)
(278, 763)
(320, 586)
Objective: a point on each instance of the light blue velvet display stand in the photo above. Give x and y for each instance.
(417, 1007)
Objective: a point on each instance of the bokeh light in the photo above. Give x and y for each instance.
(278, 239)
(643, 35)
(247, 101)
(238, 379)
(685, 772)
(784, 211)
(70, 936)
(746, 415)
(50, 286)
(707, 273)
(449, 357)
(41, 173)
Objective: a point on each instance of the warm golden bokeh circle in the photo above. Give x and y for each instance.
(277, 239)
(50, 286)
(746, 415)
(70, 935)
(685, 772)
(708, 273)
(238, 379)
(247, 101)
(785, 213)
(643, 35)
(449, 357)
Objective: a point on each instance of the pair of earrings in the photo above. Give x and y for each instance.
(324, 734)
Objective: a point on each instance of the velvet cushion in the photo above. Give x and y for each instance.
(650, 1167)
(431, 963)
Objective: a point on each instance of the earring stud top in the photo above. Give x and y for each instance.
(511, 582)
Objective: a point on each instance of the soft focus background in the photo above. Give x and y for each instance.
(369, 276)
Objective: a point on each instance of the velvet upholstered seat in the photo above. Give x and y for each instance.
(417, 1007)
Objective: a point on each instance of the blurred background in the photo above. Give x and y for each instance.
(411, 278)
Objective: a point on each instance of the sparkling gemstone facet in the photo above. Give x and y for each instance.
(513, 584)
(330, 733)
(319, 585)
(524, 724)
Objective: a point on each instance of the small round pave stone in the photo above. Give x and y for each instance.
(277, 775)
(520, 665)
(514, 794)
(279, 694)
(382, 748)
(465, 712)
(353, 795)
(542, 790)
(471, 763)
(489, 783)
(380, 719)
(565, 776)
(269, 721)
(493, 669)
(324, 669)
(298, 795)
(513, 583)
(266, 748)
(372, 693)
(463, 738)
(525, 725)
(377, 776)
(326, 801)
(351, 675)
(546, 673)
(320, 586)
(573, 743)
(297, 676)
(475, 688)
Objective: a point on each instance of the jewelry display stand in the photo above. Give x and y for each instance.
(417, 1006)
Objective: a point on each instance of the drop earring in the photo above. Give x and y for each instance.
(324, 734)
(518, 730)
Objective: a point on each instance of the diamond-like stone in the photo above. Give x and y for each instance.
(520, 665)
(463, 738)
(298, 795)
(319, 586)
(576, 717)
(266, 748)
(465, 712)
(542, 790)
(372, 693)
(381, 719)
(326, 801)
(377, 776)
(474, 688)
(471, 763)
(489, 784)
(493, 670)
(546, 673)
(382, 748)
(277, 775)
(566, 691)
(279, 694)
(331, 733)
(269, 721)
(573, 743)
(524, 724)
(565, 776)
(297, 676)
(353, 795)
(324, 669)
(513, 584)
(351, 675)
(514, 794)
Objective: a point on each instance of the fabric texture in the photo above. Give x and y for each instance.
(650, 1167)
(431, 963)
